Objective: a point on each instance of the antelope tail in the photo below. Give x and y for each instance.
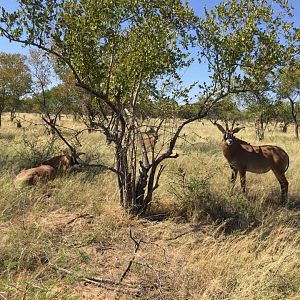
(288, 164)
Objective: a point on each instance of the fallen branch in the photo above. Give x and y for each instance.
(80, 216)
(132, 289)
(136, 248)
(182, 234)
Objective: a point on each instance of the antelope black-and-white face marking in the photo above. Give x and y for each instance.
(229, 138)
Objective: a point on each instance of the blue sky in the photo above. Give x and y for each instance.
(195, 73)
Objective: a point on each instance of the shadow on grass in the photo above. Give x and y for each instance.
(7, 136)
(293, 203)
(87, 175)
(273, 201)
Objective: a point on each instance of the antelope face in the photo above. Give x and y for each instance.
(229, 138)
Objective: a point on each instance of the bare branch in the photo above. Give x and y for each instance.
(156, 185)
(136, 248)
(104, 283)
(72, 149)
(101, 166)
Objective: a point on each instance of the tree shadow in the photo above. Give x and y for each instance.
(293, 203)
(273, 201)
(7, 136)
(86, 174)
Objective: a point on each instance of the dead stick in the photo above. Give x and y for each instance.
(105, 283)
(80, 216)
(136, 248)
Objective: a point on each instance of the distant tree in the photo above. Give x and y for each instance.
(42, 71)
(41, 74)
(15, 81)
(188, 110)
(30, 104)
(263, 111)
(289, 88)
(226, 111)
(283, 114)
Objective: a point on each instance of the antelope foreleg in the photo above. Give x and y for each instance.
(243, 180)
(233, 177)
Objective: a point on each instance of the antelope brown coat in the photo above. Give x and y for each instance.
(35, 175)
(47, 171)
(243, 157)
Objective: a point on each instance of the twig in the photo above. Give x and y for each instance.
(104, 283)
(181, 234)
(80, 216)
(25, 292)
(107, 168)
(2, 297)
(136, 248)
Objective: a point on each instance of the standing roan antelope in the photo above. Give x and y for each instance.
(243, 157)
(47, 171)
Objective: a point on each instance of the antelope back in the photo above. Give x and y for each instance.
(61, 163)
(35, 175)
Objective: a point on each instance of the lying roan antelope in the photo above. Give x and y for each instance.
(47, 171)
(62, 163)
(34, 175)
(243, 157)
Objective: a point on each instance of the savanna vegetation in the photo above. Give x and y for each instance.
(147, 212)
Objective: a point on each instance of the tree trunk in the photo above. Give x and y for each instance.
(284, 127)
(294, 116)
(12, 114)
(297, 130)
(0, 118)
(259, 128)
(135, 194)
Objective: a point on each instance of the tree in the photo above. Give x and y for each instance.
(42, 70)
(226, 111)
(289, 88)
(15, 81)
(263, 110)
(283, 114)
(127, 52)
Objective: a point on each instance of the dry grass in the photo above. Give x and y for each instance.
(212, 246)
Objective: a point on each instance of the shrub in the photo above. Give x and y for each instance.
(198, 199)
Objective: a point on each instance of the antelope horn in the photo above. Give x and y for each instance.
(233, 123)
(80, 153)
(226, 124)
(237, 129)
(220, 127)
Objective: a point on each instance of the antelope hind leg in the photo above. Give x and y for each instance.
(284, 185)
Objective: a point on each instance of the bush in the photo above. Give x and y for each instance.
(198, 199)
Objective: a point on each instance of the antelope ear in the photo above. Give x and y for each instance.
(237, 129)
